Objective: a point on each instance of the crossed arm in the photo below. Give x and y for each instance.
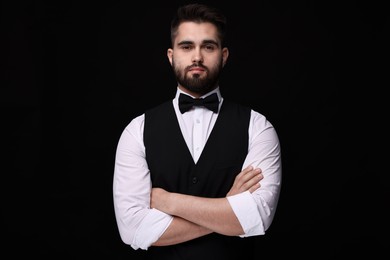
(196, 216)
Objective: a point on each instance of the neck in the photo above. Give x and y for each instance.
(192, 93)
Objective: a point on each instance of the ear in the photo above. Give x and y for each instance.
(225, 55)
(170, 55)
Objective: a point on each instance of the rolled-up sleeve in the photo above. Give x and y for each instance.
(255, 211)
(139, 226)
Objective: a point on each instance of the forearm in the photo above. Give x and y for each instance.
(215, 214)
(181, 230)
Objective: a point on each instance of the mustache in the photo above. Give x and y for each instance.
(197, 65)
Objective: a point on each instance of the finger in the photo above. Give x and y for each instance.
(253, 181)
(247, 176)
(245, 171)
(254, 187)
(239, 178)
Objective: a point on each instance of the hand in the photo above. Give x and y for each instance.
(248, 179)
(158, 198)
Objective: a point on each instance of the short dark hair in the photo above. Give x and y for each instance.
(199, 13)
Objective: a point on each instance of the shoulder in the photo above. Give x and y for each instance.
(261, 125)
(259, 118)
(136, 125)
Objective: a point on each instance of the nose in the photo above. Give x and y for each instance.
(197, 56)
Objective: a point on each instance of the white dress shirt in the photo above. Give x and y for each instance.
(140, 226)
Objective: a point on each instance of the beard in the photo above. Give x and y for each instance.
(195, 83)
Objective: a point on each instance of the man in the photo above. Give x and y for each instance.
(197, 177)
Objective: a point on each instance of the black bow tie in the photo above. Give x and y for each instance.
(186, 102)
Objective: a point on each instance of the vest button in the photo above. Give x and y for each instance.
(194, 180)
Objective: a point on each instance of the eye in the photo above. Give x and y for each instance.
(209, 47)
(186, 47)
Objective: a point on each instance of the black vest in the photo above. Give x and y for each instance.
(172, 168)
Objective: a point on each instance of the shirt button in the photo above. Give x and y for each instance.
(194, 180)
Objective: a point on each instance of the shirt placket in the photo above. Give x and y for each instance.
(197, 138)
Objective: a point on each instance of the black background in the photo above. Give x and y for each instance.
(75, 73)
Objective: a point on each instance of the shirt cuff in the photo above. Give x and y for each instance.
(151, 228)
(245, 208)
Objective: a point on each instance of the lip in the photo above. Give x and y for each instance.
(197, 69)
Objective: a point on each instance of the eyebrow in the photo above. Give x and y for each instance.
(203, 42)
(185, 42)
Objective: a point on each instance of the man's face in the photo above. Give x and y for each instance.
(197, 57)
